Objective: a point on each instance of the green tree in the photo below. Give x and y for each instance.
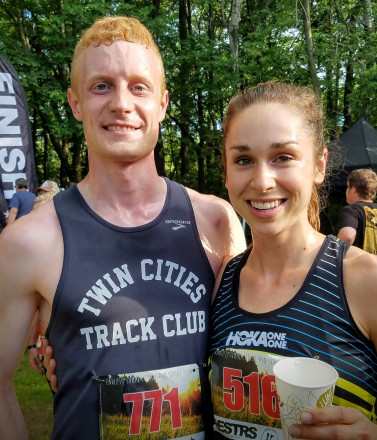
(211, 50)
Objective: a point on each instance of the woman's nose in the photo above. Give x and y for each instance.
(263, 178)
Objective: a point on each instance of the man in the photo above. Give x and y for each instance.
(22, 201)
(121, 266)
(357, 222)
(45, 192)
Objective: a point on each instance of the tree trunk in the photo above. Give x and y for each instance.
(184, 91)
(350, 25)
(159, 153)
(367, 5)
(156, 8)
(331, 71)
(233, 26)
(309, 47)
(348, 87)
(159, 157)
(200, 150)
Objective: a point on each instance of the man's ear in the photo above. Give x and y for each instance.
(164, 105)
(321, 167)
(74, 104)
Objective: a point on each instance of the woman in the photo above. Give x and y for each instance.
(295, 292)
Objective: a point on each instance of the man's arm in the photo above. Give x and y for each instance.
(219, 228)
(347, 234)
(237, 234)
(33, 352)
(12, 215)
(234, 241)
(348, 223)
(18, 304)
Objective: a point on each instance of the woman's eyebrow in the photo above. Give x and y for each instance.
(276, 145)
(239, 148)
(273, 146)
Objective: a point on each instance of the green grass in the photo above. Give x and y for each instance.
(35, 400)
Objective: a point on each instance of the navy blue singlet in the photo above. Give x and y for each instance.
(316, 323)
(129, 323)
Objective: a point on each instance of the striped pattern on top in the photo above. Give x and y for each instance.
(315, 323)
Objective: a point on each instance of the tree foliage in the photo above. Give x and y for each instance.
(211, 50)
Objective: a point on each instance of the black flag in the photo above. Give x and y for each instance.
(16, 147)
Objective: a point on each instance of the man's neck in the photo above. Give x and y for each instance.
(123, 197)
(360, 199)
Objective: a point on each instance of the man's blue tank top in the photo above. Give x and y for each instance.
(316, 323)
(131, 306)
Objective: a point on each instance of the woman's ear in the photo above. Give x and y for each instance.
(321, 167)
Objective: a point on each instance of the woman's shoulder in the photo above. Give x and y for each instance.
(357, 259)
(360, 283)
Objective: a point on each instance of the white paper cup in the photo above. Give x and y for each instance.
(302, 383)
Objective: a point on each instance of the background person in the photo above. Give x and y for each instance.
(121, 266)
(22, 201)
(294, 292)
(45, 192)
(357, 222)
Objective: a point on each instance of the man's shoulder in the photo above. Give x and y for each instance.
(358, 208)
(15, 200)
(31, 253)
(213, 211)
(363, 203)
(15, 196)
(209, 203)
(32, 232)
(219, 223)
(353, 208)
(25, 195)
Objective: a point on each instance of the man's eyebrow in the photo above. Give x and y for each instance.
(98, 77)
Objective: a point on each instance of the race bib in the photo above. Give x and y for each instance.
(160, 404)
(244, 396)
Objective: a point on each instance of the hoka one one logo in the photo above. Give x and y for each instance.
(178, 223)
(257, 339)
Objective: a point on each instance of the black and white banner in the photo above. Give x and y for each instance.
(16, 147)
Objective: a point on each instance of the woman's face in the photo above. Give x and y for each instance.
(271, 167)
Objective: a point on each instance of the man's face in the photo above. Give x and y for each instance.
(351, 194)
(119, 101)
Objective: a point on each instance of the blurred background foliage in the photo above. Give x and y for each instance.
(211, 50)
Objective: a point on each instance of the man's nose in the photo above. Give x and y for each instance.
(122, 100)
